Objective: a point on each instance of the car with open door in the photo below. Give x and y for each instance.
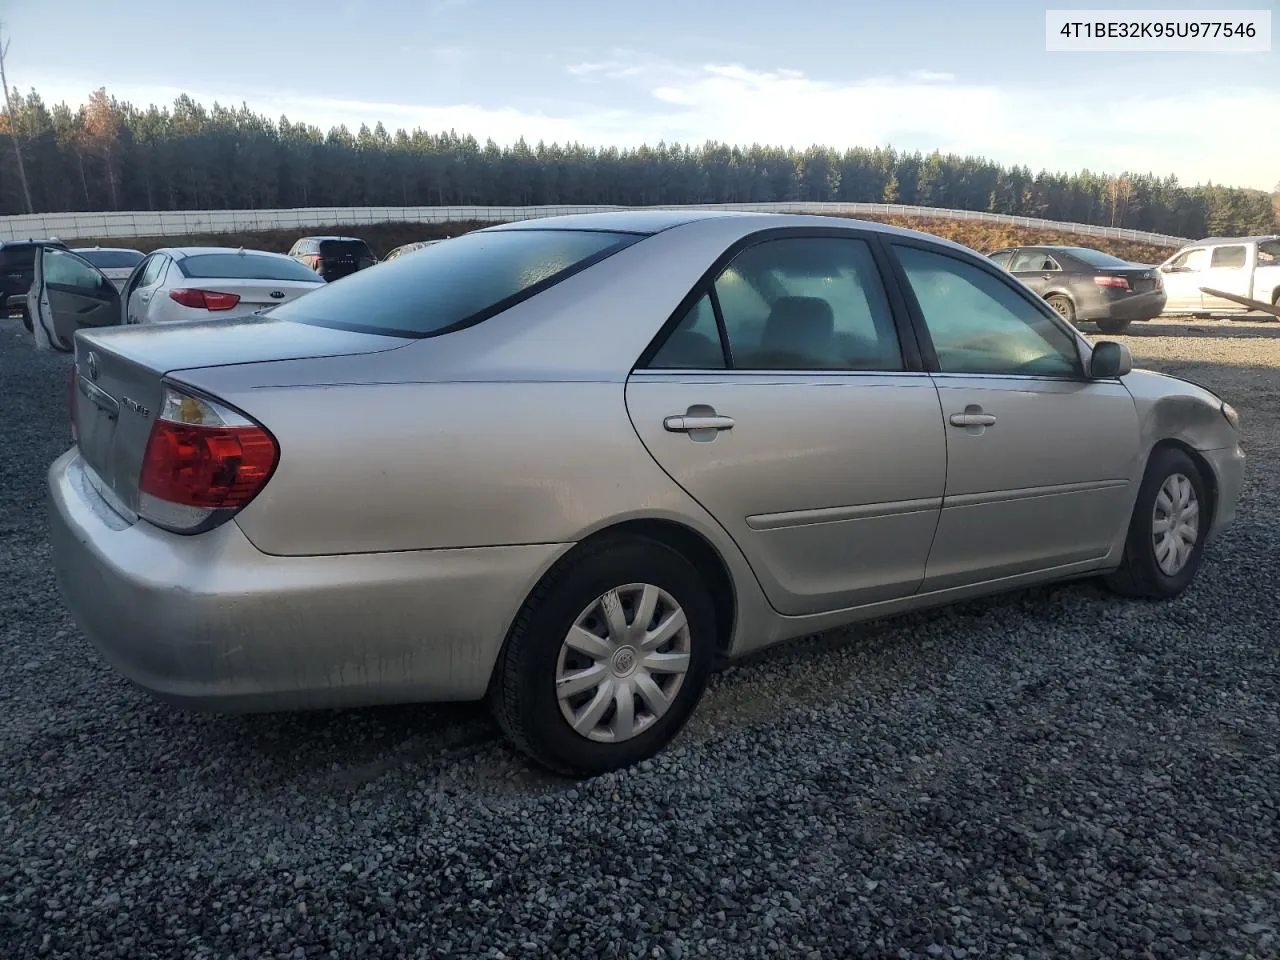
(567, 465)
(68, 294)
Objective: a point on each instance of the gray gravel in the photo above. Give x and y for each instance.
(1047, 774)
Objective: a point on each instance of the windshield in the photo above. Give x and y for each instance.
(111, 259)
(245, 266)
(449, 285)
(1096, 258)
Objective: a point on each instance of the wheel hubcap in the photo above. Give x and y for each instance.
(1060, 306)
(622, 663)
(1175, 524)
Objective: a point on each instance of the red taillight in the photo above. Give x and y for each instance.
(202, 458)
(1110, 280)
(314, 261)
(71, 402)
(204, 299)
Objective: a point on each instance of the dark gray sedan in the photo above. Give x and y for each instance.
(1086, 284)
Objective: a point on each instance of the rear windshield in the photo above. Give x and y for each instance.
(1096, 258)
(345, 248)
(111, 259)
(245, 266)
(449, 285)
(17, 257)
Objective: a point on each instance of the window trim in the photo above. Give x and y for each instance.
(1037, 303)
(912, 359)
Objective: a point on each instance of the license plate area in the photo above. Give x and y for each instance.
(97, 414)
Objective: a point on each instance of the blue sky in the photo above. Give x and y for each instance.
(958, 76)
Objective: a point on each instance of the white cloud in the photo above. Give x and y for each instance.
(1200, 134)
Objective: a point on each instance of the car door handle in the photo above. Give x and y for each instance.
(972, 419)
(685, 424)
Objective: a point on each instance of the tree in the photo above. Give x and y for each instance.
(13, 127)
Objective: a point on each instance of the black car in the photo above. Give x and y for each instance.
(17, 270)
(1086, 284)
(333, 257)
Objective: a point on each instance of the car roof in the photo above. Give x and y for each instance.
(1209, 241)
(105, 249)
(328, 237)
(657, 221)
(180, 253)
(32, 243)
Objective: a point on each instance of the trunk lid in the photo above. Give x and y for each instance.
(119, 375)
(1141, 279)
(255, 294)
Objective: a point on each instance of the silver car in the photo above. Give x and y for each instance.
(569, 465)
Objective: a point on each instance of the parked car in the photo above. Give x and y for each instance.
(116, 262)
(170, 285)
(404, 248)
(569, 464)
(17, 266)
(1083, 284)
(1224, 275)
(333, 257)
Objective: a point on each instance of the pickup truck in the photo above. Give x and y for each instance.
(1224, 275)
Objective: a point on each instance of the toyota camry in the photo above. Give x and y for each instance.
(570, 465)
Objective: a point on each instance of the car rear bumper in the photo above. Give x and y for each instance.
(1137, 306)
(1227, 465)
(210, 622)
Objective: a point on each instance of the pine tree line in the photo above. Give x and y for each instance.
(109, 155)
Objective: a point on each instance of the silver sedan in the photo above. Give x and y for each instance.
(568, 465)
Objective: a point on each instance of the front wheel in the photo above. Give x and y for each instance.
(607, 659)
(1113, 326)
(1167, 531)
(1066, 309)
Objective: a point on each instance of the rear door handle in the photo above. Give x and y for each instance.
(686, 423)
(972, 419)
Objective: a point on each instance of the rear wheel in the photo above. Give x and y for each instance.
(1066, 309)
(1166, 536)
(607, 659)
(1113, 326)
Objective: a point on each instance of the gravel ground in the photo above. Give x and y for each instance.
(1054, 773)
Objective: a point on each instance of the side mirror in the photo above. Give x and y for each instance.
(1109, 360)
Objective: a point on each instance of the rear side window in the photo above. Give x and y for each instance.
(244, 266)
(112, 259)
(345, 248)
(1232, 258)
(449, 285)
(1096, 258)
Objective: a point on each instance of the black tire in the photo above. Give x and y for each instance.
(1113, 326)
(1139, 574)
(1066, 309)
(522, 693)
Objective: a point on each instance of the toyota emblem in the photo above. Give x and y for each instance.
(91, 363)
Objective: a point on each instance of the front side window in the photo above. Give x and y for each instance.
(64, 269)
(1193, 261)
(451, 284)
(807, 303)
(979, 324)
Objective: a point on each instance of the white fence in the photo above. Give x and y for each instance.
(181, 223)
